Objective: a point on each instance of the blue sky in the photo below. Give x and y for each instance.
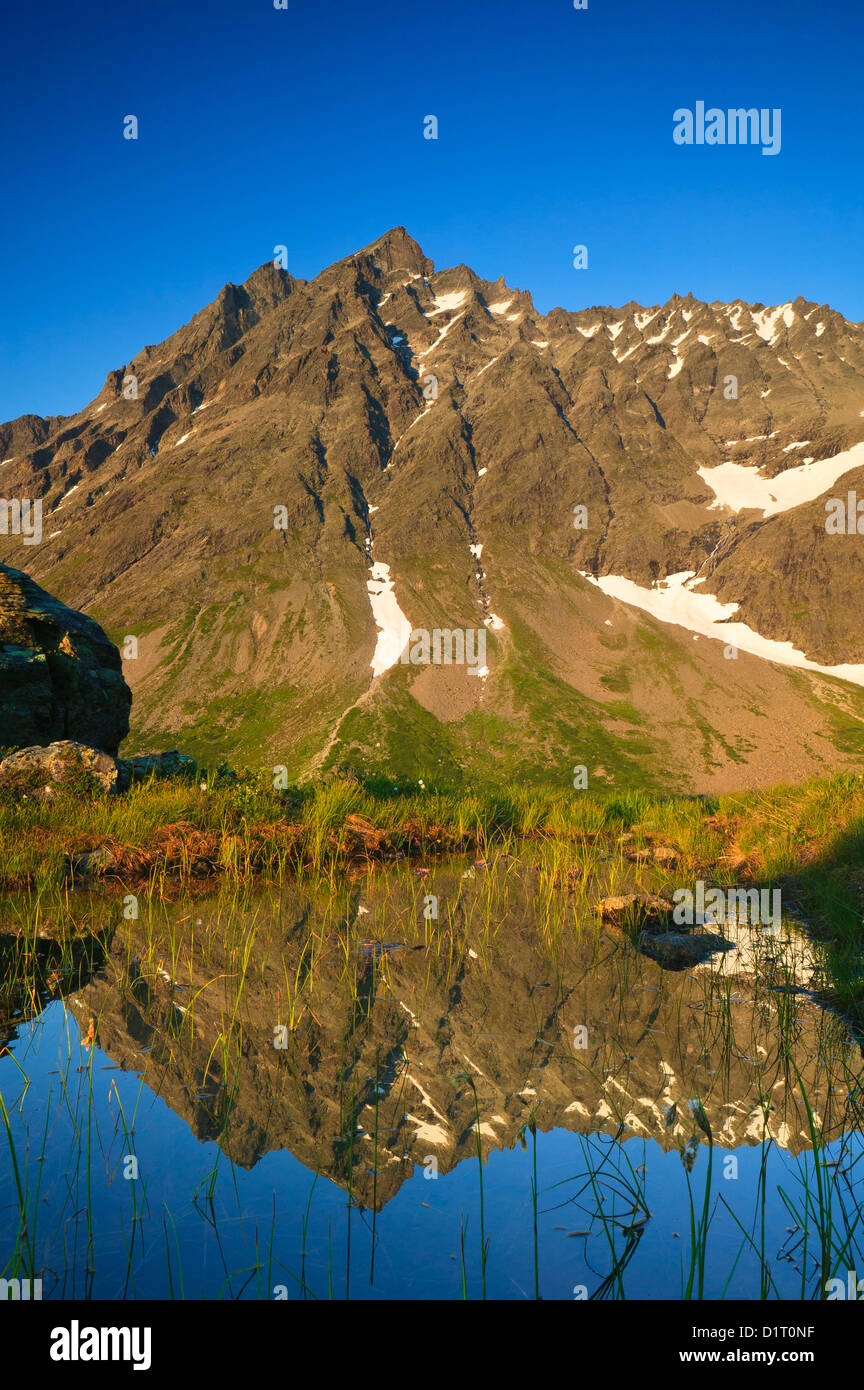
(304, 127)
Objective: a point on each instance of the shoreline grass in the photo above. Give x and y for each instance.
(810, 835)
(166, 835)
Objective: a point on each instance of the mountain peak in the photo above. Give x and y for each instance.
(396, 250)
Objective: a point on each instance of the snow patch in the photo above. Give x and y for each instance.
(445, 302)
(73, 488)
(737, 487)
(499, 306)
(443, 334)
(675, 602)
(765, 320)
(429, 1134)
(405, 431)
(394, 629)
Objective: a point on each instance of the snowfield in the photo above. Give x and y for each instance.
(737, 486)
(675, 601)
(445, 302)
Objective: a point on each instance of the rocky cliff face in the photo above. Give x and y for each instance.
(273, 496)
(60, 677)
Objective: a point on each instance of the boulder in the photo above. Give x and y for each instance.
(676, 950)
(37, 773)
(664, 854)
(660, 854)
(60, 676)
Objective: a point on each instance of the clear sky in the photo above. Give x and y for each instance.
(304, 127)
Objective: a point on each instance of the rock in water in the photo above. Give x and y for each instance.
(60, 676)
(676, 950)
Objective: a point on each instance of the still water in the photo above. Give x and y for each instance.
(326, 1090)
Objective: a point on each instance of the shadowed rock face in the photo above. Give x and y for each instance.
(60, 676)
(316, 397)
(405, 1016)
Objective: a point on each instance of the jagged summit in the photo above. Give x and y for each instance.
(396, 250)
(307, 467)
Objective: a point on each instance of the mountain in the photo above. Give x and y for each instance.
(269, 500)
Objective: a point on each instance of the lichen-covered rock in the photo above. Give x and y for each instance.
(37, 773)
(60, 676)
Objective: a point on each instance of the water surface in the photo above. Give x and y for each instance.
(282, 1093)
